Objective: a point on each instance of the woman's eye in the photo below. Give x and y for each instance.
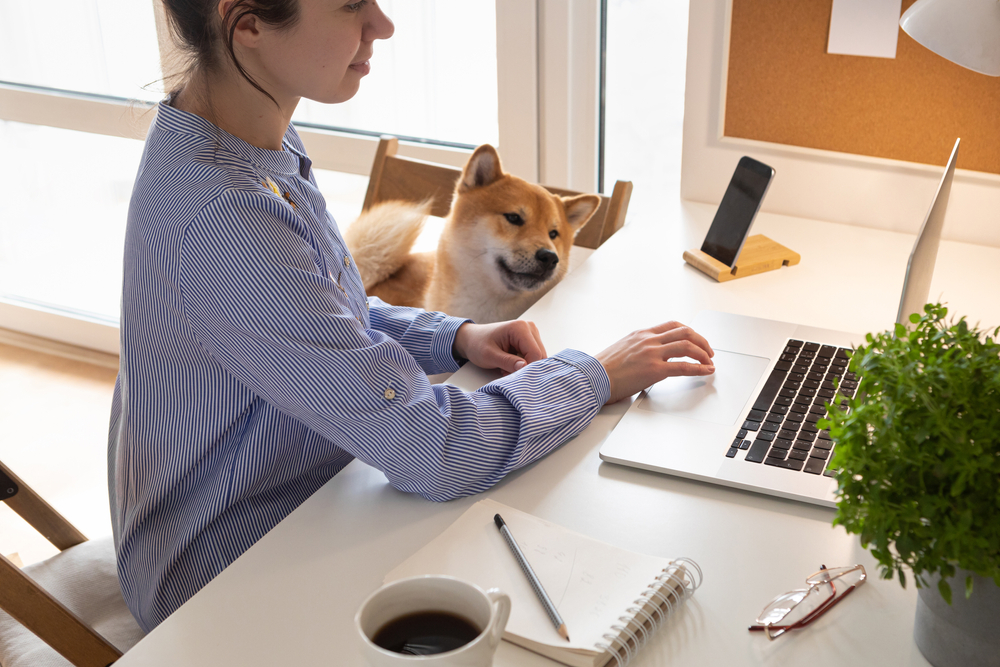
(355, 6)
(514, 219)
(553, 234)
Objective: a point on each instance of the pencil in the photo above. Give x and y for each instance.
(550, 608)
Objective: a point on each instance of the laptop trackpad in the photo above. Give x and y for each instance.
(718, 398)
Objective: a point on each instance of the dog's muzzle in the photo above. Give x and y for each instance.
(528, 274)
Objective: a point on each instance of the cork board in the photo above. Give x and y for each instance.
(783, 87)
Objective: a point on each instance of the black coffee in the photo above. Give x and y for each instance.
(425, 633)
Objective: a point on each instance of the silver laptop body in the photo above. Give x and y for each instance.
(686, 426)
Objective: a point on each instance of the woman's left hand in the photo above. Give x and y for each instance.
(508, 346)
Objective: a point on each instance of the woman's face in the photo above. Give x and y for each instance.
(324, 55)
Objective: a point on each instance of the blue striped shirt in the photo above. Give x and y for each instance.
(254, 368)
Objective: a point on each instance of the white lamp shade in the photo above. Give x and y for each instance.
(966, 32)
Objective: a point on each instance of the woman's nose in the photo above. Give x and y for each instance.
(378, 25)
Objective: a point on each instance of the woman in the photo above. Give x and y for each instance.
(253, 366)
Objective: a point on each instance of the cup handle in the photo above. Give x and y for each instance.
(501, 606)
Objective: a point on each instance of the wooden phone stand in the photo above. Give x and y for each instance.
(759, 254)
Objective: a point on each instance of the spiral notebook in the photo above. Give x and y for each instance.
(612, 600)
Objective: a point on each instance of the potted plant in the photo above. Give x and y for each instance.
(918, 459)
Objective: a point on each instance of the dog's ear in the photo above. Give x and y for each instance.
(579, 209)
(482, 169)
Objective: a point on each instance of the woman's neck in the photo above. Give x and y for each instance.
(231, 103)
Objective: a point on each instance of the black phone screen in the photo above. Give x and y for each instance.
(737, 210)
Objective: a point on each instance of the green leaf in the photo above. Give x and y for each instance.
(945, 590)
(918, 449)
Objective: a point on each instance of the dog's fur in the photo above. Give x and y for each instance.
(505, 243)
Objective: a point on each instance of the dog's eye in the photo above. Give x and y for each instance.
(553, 234)
(514, 219)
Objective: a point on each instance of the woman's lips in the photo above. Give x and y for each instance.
(362, 67)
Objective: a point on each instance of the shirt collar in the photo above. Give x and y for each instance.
(285, 162)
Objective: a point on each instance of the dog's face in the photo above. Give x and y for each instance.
(518, 233)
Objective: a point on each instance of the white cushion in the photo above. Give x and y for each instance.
(84, 579)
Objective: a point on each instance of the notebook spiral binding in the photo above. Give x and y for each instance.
(675, 584)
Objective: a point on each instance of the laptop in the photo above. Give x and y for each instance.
(752, 424)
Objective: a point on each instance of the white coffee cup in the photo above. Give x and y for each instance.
(486, 610)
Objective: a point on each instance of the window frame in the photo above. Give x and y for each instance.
(548, 90)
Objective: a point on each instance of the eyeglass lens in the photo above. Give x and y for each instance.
(801, 605)
(795, 606)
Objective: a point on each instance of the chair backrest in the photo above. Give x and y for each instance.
(27, 602)
(399, 178)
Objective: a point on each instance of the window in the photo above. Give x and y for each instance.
(67, 181)
(646, 58)
(112, 42)
(63, 223)
(435, 79)
(457, 73)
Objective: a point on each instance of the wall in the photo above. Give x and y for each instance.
(815, 183)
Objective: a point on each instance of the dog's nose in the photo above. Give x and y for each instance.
(547, 258)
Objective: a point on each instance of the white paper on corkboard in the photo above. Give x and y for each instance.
(864, 28)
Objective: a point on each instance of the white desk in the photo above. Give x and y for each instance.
(291, 599)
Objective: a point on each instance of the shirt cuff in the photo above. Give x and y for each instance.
(443, 341)
(593, 369)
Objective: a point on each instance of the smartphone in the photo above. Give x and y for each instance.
(737, 210)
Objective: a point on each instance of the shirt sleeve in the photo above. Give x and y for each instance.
(257, 302)
(428, 336)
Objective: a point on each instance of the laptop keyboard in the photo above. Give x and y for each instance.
(780, 429)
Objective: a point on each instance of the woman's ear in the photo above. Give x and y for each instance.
(247, 30)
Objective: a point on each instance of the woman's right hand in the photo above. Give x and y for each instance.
(643, 358)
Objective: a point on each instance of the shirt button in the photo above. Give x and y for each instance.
(389, 394)
(347, 260)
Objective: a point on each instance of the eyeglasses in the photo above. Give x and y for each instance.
(798, 608)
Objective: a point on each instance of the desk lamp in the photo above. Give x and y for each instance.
(966, 32)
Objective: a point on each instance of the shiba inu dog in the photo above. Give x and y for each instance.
(505, 243)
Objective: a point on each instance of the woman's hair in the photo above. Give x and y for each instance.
(197, 29)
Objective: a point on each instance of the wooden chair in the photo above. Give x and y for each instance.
(399, 178)
(94, 599)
